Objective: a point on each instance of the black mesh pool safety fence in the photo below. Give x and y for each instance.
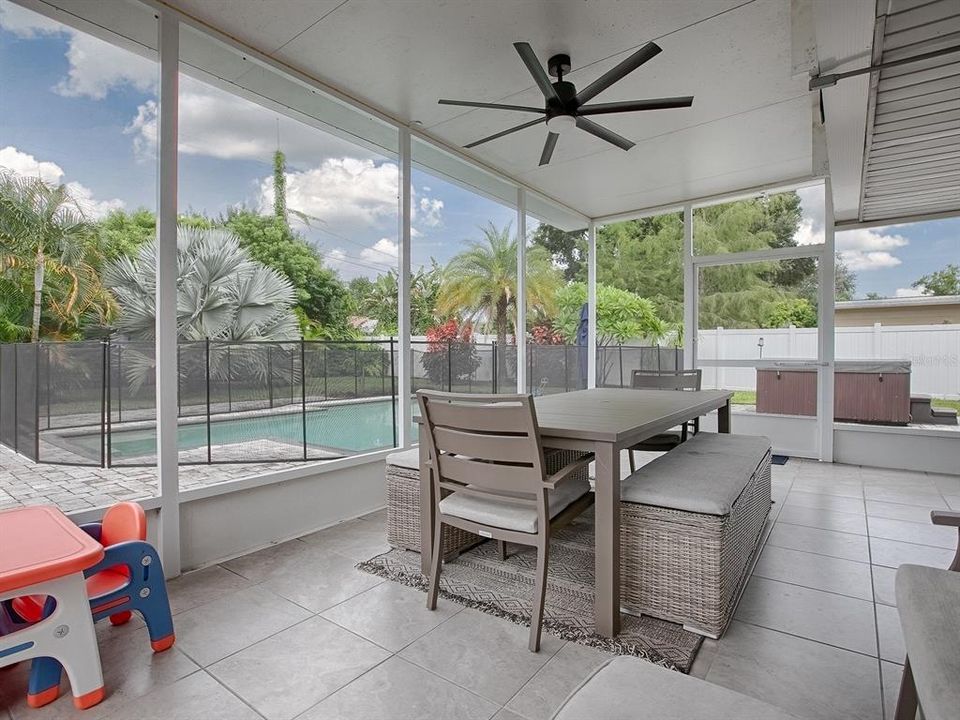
(94, 402)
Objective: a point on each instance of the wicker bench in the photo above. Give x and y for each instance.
(403, 500)
(690, 523)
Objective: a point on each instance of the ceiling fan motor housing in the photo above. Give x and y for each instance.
(567, 103)
(558, 65)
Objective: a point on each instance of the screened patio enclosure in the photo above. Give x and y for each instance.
(756, 129)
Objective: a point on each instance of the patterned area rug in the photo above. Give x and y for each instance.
(479, 579)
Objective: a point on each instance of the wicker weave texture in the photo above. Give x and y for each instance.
(690, 568)
(403, 505)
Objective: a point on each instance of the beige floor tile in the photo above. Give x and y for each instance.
(906, 496)
(819, 501)
(884, 590)
(837, 620)
(824, 519)
(824, 542)
(357, 539)
(563, 673)
(192, 698)
(400, 690)
(891, 674)
(390, 614)
(896, 511)
(484, 654)
(202, 586)
(808, 679)
(835, 575)
(220, 628)
(893, 554)
(911, 532)
(890, 634)
(293, 670)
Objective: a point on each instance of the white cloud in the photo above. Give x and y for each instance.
(808, 234)
(384, 252)
(860, 260)
(869, 249)
(341, 190)
(26, 164)
(909, 292)
(431, 209)
(27, 24)
(95, 66)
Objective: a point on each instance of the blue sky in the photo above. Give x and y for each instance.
(74, 109)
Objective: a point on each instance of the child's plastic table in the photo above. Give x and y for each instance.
(43, 553)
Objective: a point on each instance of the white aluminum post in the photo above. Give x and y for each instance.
(825, 331)
(521, 326)
(404, 407)
(690, 293)
(591, 305)
(166, 298)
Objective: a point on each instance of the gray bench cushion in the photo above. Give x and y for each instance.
(704, 475)
(627, 688)
(508, 516)
(928, 600)
(409, 459)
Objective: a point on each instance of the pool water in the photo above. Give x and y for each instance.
(353, 428)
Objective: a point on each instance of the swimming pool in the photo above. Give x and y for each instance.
(348, 429)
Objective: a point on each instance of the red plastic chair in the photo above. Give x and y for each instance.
(121, 523)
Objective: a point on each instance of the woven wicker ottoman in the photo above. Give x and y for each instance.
(403, 500)
(691, 522)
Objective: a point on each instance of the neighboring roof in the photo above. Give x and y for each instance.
(917, 301)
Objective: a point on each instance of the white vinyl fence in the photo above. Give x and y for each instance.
(933, 351)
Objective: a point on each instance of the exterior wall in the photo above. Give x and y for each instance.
(914, 315)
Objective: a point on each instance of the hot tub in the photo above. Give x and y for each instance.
(869, 391)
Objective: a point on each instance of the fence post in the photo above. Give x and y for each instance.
(566, 368)
(493, 367)
(791, 340)
(119, 383)
(620, 352)
(36, 403)
(103, 392)
(393, 393)
(229, 383)
(449, 365)
(109, 405)
(356, 371)
(303, 391)
(877, 340)
(48, 385)
(270, 373)
(179, 407)
(324, 372)
(291, 375)
(721, 372)
(530, 369)
(207, 373)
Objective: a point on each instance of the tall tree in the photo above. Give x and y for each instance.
(568, 250)
(44, 232)
(941, 282)
(480, 283)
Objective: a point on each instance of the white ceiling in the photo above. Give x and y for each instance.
(750, 123)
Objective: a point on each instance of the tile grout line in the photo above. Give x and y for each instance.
(876, 617)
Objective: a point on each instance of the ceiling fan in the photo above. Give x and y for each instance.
(565, 108)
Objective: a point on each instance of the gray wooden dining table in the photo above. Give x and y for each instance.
(603, 421)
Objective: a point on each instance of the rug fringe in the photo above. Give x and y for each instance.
(564, 632)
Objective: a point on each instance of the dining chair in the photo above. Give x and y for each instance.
(678, 380)
(487, 468)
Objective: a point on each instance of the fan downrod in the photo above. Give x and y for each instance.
(558, 65)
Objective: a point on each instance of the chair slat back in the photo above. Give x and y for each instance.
(490, 442)
(666, 380)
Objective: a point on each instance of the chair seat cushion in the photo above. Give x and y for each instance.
(928, 600)
(509, 516)
(705, 475)
(627, 688)
(409, 459)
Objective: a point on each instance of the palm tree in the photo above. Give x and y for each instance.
(480, 283)
(222, 294)
(43, 229)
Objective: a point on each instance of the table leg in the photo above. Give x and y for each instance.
(723, 418)
(427, 507)
(607, 551)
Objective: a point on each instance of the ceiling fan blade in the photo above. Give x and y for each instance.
(548, 147)
(647, 52)
(635, 105)
(536, 69)
(506, 132)
(601, 132)
(494, 106)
